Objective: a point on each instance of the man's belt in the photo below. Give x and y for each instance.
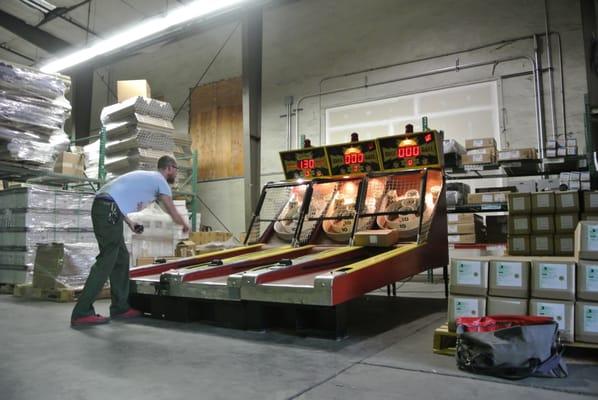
(104, 197)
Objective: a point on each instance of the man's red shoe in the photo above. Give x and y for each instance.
(90, 320)
(130, 313)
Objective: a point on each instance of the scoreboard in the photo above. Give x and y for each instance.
(392, 153)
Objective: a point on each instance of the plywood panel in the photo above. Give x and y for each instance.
(216, 128)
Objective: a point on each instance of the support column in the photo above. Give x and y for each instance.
(252, 107)
(82, 88)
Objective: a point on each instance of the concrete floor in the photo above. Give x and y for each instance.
(386, 356)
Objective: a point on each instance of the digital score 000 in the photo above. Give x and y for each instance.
(410, 151)
(353, 158)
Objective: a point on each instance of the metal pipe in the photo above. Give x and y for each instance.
(539, 100)
(560, 57)
(288, 101)
(455, 68)
(550, 67)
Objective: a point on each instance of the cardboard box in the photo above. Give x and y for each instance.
(185, 248)
(519, 203)
(487, 197)
(464, 306)
(587, 280)
(589, 217)
(590, 202)
(478, 159)
(463, 218)
(519, 245)
(571, 150)
(553, 278)
(542, 224)
(561, 152)
(519, 224)
(490, 151)
(478, 143)
(585, 186)
(48, 264)
(462, 228)
(509, 277)
(462, 238)
(561, 311)
(551, 153)
(70, 164)
(542, 203)
(551, 144)
(575, 176)
(586, 240)
(127, 89)
(525, 186)
(574, 185)
(586, 322)
(584, 176)
(544, 185)
(209, 237)
(564, 245)
(520, 154)
(542, 245)
(376, 238)
(469, 276)
(565, 223)
(566, 202)
(571, 142)
(506, 306)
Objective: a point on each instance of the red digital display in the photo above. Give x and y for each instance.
(306, 164)
(408, 151)
(354, 158)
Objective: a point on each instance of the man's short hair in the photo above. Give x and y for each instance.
(165, 162)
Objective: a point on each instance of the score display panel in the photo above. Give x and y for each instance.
(305, 163)
(409, 151)
(354, 158)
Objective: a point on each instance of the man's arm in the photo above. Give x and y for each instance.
(170, 208)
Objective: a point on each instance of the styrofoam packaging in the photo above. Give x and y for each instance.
(506, 306)
(469, 276)
(586, 240)
(542, 203)
(586, 322)
(587, 280)
(561, 311)
(464, 306)
(509, 277)
(553, 278)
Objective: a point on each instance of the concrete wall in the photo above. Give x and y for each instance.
(308, 40)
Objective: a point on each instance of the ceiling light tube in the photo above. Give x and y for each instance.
(152, 26)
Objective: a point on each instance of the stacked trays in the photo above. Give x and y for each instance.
(33, 110)
(139, 132)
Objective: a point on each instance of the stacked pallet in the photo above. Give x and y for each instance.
(139, 132)
(33, 110)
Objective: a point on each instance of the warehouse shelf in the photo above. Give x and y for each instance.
(522, 168)
(478, 246)
(474, 208)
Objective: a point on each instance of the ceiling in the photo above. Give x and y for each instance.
(80, 22)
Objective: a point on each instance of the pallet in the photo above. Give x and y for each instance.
(7, 288)
(61, 295)
(445, 342)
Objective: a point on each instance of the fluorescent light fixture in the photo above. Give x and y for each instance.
(195, 9)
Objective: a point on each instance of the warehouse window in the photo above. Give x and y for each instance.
(463, 112)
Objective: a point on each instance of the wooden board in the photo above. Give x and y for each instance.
(216, 128)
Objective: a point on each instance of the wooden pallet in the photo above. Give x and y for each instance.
(62, 295)
(7, 288)
(445, 342)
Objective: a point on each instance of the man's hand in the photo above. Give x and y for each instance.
(135, 227)
(186, 228)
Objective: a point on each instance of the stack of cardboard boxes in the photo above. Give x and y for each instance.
(545, 286)
(479, 151)
(561, 147)
(465, 228)
(575, 180)
(542, 223)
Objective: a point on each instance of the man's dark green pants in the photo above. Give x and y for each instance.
(112, 262)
